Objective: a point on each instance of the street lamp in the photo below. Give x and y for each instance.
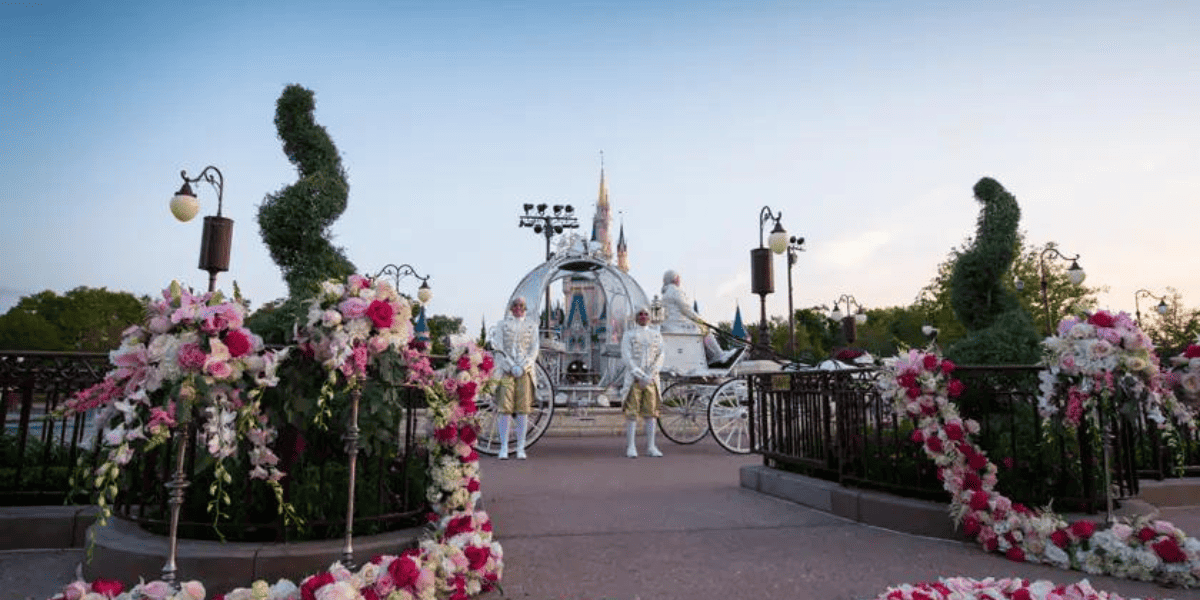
(1161, 308)
(217, 239)
(548, 224)
(854, 315)
(1074, 273)
(424, 293)
(762, 281)
(795, 245)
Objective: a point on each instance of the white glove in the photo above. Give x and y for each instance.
(639, 374)
(517, 370)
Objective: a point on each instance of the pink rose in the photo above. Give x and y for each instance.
(357, 282)
(381, 313)
(309, 587)
(948, 367)
(219, 369)
(955, 388)
(353, 308)
(190, 356)
(107, 587)
(464, 363)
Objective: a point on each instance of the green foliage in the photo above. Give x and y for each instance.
(84, 319)
(1173, 330)
(294, 222)
(441, 326)
(999, 331)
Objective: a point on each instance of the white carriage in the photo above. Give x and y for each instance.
(582, 367)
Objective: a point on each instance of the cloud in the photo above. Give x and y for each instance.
(853, 251)
(733, 288)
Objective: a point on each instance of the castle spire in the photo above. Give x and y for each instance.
(622, 249)
(600, 223)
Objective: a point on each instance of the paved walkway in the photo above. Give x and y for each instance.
(580, 521)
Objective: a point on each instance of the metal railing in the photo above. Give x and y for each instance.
(834, 425)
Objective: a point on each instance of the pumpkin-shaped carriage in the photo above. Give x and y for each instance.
(579, 364)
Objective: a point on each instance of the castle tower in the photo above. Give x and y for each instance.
(622, 251)
(603, 218)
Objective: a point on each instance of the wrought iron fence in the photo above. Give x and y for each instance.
(38, 454)
(834, 425)
(38, 450)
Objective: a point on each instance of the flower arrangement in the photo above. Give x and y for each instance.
(458, 558)
(963, 588)
(1185, 374)
(921, 387)
(1105, 361)
(351, 325)
(192, 356)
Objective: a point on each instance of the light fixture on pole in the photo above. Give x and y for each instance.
(424, 293)
(1162, 307)
(217, 239)
(1074, 273)
(795, 245)
(762, 280)
(854, 315)
(548, 224)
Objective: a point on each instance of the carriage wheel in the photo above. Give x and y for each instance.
(488, 441)
(682, 418)
(729, 416)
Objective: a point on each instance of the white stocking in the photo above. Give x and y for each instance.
(522, 422)
(502, 431)
(651, 429)
(630, 435)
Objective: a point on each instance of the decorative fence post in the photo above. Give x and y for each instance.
(352, 449)
(177, 485)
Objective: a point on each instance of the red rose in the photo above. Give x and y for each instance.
(948, 367)
(913, 393)
(446, 435)
(468, 406)
(403, 571)
(308, 589)
(1101, 319)
(473, 485)
(1147, 534)
(954, 431)
(930, 362)
(1083, 529)
(971, 526)
(1193, 350)
(464, 363)
(467, 434)
(917, 436)
(991, 545)
(470, 457)
(1168, 550)
(907, 380)
(107, 587)
(488, 364)
(381, 313)
(933, 444)
(369, 594)
(238, 342)
(1015, 554)
(977, 461)
(477, 557)
(972, 482)
(979, 500)
(1021, 509)
(458, 525)
(955, 388)
(466, 391)
(487, 526)
(1060, 539)
(1022, 594)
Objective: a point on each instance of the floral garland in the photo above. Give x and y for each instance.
(191, 355)
(962, 588)
(920, 386)
(458, 558)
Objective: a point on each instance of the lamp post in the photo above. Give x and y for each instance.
(762, 270)
(548, 224)
(795, 245)
(1074, 273)
(1161, 308)
(854, 315)
(217, 239)
(424, 293)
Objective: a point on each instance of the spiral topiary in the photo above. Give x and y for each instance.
(999, 330)
(294, 222)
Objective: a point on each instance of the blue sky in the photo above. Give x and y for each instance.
(865, 123)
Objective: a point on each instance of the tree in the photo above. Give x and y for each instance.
(440, 327)
(1174, 330)
(84, 319)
